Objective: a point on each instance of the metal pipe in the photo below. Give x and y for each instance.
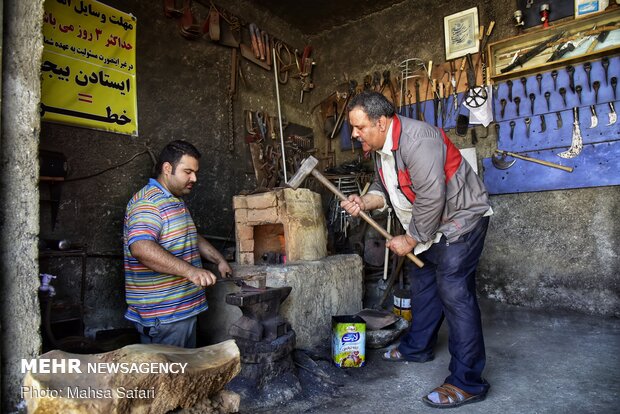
(275, 74)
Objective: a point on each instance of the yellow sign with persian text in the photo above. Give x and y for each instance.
(88, 70)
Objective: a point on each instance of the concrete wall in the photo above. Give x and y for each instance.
(19, 224)
(554, 249)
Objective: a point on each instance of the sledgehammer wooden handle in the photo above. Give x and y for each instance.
(362, 214)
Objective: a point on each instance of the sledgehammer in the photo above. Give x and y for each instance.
(308, 167)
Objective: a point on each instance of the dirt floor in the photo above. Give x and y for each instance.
(537, 362)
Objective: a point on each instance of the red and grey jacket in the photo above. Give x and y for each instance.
(446, 194)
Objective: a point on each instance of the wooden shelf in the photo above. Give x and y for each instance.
(501, 53)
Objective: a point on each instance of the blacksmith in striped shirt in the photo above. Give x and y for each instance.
(164, 277)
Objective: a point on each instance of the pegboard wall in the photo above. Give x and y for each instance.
(551, 127)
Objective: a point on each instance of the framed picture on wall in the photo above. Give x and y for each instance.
(587, 7)
(461, 33)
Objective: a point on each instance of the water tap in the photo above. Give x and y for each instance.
(46, 279)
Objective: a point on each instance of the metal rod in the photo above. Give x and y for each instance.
(275, 74)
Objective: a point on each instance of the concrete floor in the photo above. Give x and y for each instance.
(537, 362)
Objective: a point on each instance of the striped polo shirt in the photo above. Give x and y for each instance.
(155, 214)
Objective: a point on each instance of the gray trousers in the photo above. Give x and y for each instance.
(181, 333)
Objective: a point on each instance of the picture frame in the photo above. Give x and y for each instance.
(587, 7)
(461, 33)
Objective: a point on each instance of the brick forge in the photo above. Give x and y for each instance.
(283, 223)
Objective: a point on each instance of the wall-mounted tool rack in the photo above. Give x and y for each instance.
(596, 165)
(502, 52)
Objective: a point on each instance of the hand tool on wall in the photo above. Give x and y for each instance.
(547, 98)
(593, 117)
(578, 91)
(605, 64)
(418, 108)
(613, 117)
(587, 67)
(596, 85)
(308, 167)
(576, 142)
(517, 102)
(254, 40)
(539, 80)
(614, 82)
(571, 77)
(554, 76)
(563, 95)
(558, 124)
(305, 71)
(502, 164)
(458, 81)
(543, 124)
(509, 84)
(512, 129)
(527, 121)
(532, 99)
(602, 36)
(475, 96)
(435, 102)
(410, 104)
(524, 83)
(521, 59)
(502, 111)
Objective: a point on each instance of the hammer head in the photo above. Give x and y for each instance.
(304, 171)
(501, 163)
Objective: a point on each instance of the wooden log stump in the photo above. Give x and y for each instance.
(134, 379)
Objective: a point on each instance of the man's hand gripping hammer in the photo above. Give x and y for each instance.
(308, 168)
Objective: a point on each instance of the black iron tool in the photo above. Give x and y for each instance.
(524, 83)
(563, 94)
(605, 64)
(519, 61)
(517, 102)
(554, 76)
(596, 85)
(547, 97)
(614, 83)
(528, 121)
(509, 84)
(571, 77)
(588, 67)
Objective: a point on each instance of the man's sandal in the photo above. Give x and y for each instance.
(449, 396)
(393, 355)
